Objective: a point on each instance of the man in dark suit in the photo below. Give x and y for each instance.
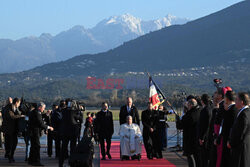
(204, 124)
(189, 124)
(56, 119)
(36, 125)
(151, 139)
(47, 120)
(105, 129)
(240, 135)
(4, 125)
(69, 129)
(11, 117)
(129, 109)
(229, 117)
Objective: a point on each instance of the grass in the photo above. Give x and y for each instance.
(171, 118)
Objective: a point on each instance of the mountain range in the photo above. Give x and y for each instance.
(29, 52)
(222, 37)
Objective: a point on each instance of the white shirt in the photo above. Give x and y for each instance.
(230, 106)
(104, 110)
(242, 110)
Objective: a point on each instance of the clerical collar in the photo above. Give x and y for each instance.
(242, 110)
(104, 110)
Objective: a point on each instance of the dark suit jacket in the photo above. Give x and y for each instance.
(36, 124)
(70, 122)
(150, 119)
(56, 120)
(204, 123)
(228, 119)
(10, 120)
(189, 124)
(124, 113)
(240, 140)
(104, 124)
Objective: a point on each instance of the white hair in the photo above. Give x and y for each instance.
(129, 116)
(41, 104)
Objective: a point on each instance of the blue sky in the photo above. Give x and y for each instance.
(20, 18)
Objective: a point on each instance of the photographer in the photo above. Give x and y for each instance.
(69, 128)
(79, 122)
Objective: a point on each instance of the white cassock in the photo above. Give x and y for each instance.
(130, 139)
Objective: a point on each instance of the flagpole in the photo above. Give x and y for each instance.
(178, 141)
(168, 103)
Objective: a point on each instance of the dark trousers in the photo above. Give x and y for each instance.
(49, 142)
(79, 133)
(27, 143)
(1, 140)
(58, 144)
(34, 156)
(163, 137)
(102, 145)
(10, 144)
(226, 159)
(152, 143)
(65, 143)
(193, 160)
(6, 144)
(203, 156)
(212, 155)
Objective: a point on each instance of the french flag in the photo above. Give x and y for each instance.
(155, 94)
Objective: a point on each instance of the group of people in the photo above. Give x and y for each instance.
(216, 131)
(62, 124)
(131, 138)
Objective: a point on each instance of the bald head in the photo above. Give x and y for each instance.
(129, 101)
(192, 103)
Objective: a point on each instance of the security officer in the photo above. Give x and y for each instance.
(36, 125)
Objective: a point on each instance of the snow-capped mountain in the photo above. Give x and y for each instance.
(107, 34)
(132, 24)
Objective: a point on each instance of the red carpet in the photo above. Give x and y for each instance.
(116, 162)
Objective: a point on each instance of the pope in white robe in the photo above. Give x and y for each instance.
(130, 139)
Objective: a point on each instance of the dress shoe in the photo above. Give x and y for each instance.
(133, 157)
(11, 160)
(103, 158)
(124, 157)
(37, 164)
(109, 156)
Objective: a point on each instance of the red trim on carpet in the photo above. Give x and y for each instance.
(116, 162)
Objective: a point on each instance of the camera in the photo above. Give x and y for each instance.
(217, 82)
(75, 105)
